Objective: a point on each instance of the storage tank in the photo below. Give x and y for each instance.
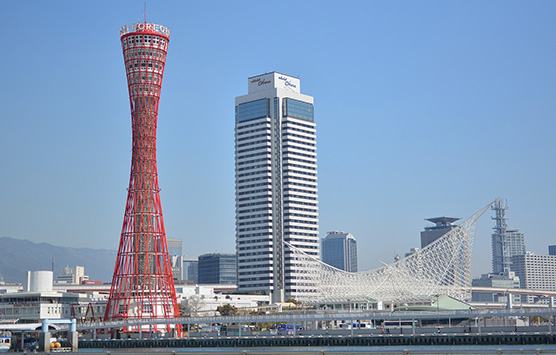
(39, 281)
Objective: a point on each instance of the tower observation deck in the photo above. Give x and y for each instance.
(142, 285)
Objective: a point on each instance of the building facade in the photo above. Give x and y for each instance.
(506, 242)
(505, 280)
(442, 225)
(535, 272)
(176, 257)
(276, 185)
(191, 268)
(217, 268)
(72, 275)
(339, 249)
(552, 250)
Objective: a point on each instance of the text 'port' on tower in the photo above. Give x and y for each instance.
(143, 286)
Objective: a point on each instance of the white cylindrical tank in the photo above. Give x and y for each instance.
(39, 281)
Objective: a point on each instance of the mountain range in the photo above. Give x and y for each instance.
(19, 256)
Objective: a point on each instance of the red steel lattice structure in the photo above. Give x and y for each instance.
(143, 286)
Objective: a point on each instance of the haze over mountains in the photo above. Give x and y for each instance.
(19, 256)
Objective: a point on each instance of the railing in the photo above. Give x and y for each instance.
(323, 316)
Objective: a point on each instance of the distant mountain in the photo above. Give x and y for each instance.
(19, 256)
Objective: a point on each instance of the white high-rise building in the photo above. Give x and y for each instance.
(276, 185)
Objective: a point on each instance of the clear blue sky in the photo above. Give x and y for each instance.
(423, 109)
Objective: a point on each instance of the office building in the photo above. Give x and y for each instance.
(276, 185)
(72, 275)
(552, 250)
(190, 268)
(339, 249)
(442, 225)
(506, 242)
(176, 257)
(505, 280)
(217, 268)
(535, 272)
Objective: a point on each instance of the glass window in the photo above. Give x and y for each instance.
(299, 109)
(252, 110)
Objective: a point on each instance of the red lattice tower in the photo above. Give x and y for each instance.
(143, 286)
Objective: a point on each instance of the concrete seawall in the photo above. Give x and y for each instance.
(357, 340)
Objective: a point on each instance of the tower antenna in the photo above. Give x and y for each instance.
(145, 11)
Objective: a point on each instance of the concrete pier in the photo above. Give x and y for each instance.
(322, 340)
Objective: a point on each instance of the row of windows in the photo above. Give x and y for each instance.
(254, 192)
(145, 78)
(268, 209)
(252, 149)
(289, 123)
(243, 126)
(263, 141)
(265, 129)
(253, 173)
(301, 215)
(255, 260)
(287, 160)
(291, 228)
(314, 247)
(266, 222)
(263, 272)
(314, 210)
(255, 247)
(240, 157)
(254, 241)
(252, 161)
(299, 178)
(142, 65)
(290, 135)
(287, 141)
(298, 109)
(298, 172)
(288, 184)
(298, 154)
(255, 167)
(251, 137)
(287, 196)
(301, 234)
(289, 165)
(253, 185)
(285, 145)
(253, 204)
(144, 53)
(252, 110)
(287, 129)
(303, 191)
(143, 39)
(254, 229)
(260, 178)
(299, 221)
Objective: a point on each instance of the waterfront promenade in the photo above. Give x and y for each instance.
(310, 318)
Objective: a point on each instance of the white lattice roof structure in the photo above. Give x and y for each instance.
(441, 268)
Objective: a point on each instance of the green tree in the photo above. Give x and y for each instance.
(227, 310)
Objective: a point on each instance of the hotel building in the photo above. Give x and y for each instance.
(276, 185)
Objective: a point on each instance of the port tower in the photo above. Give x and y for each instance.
(143, 286)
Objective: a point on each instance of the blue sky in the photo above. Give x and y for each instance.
(423, 109)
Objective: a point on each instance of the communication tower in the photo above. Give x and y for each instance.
(143, 286)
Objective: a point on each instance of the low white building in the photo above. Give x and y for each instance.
(203, 300)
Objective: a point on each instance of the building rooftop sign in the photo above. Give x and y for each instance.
(145, 27)
(273, 80)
